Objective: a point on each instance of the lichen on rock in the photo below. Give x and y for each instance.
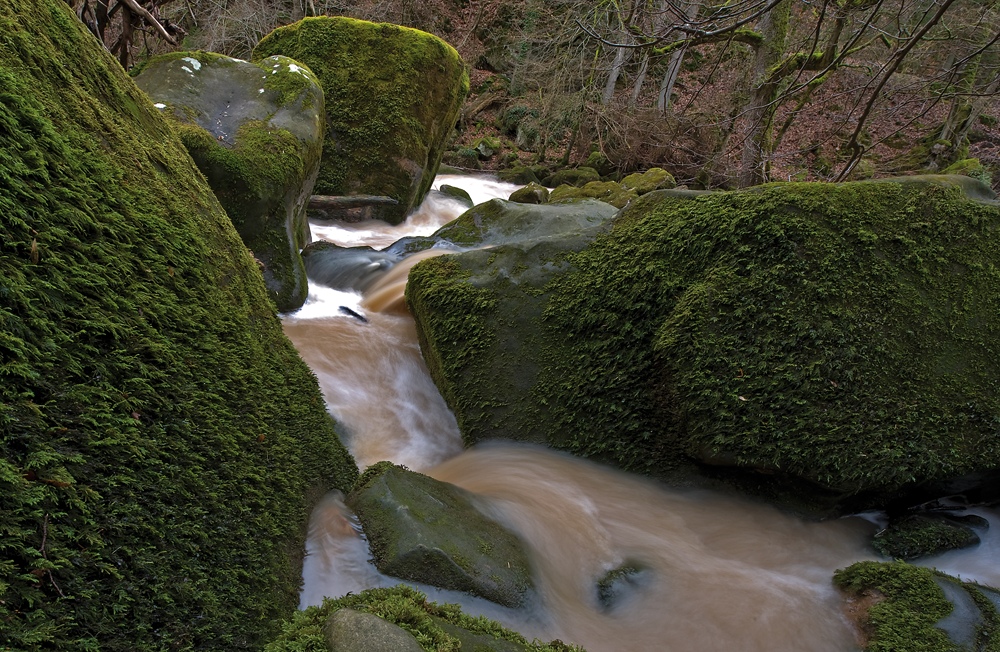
(392, 96)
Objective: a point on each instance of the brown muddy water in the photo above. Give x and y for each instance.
(715, 572)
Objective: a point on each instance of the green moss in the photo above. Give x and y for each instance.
(844, 336)
(910, 606)
(161, 443)
(378, 113)
(919, 536)
(409, 609)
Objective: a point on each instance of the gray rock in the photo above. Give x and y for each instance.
(256, 133)
(423, 530)
(457, 193)
(963, 623)
(348, 630)
(346, 268)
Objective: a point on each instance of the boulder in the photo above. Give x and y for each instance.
(393, 95)
(608, 192)
(498, 222)
(255, 130)
(533, 193)
(457, 193)
(573, 177)
(424, 530)
(348, 630)
(828, 347)
(650, 180)
(150, 405)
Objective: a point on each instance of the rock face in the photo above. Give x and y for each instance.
(827, 346)
(392, 94)
(497, 222)
(256, 132)
(427, 531)
(159, 436)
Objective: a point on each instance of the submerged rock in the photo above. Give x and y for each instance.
(161, 441)
(824, 346)
(256, 133)
(346, 268)
(392, 95)
(427, 531)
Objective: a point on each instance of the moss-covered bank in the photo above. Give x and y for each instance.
(840, 338)
(160, 440)
(392, 98)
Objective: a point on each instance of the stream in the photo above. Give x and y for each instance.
(718, 573)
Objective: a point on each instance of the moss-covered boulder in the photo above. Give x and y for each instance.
(498, 222)
(348, 630)
(921, 535)
(437, 627)
(650, 180)
(904, 608)
(256, 132)
(608, 192)
(392, 95)
(533, 193)
(573, 177)
(424, 530)
(161, 442)
(827, 345)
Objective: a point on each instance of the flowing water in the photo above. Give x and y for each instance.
(715, 573)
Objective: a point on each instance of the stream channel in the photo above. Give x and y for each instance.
(721, 573)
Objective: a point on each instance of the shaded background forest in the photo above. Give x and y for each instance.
(722, 95)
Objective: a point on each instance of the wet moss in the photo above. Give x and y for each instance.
(432, 624)
(161, 443)
(380, 112)
(919, 536)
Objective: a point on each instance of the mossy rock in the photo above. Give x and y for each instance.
(825, 346)
(358, 631)
(498, 222)
(520, 174)
(912, 609)
(573, 177)
(161, 442)
(533, 193)
(424, 530)
(650, 180)
(256, 133)
(393, 95)
(436, 627)
(455, 192)
(922, 535)
(621, 583)
(608, 192)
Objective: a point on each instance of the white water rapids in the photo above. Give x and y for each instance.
(722, 574)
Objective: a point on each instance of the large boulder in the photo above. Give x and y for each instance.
(424, 530)
(831, 346)
(256, 132)
(392, 94)
(161, 442)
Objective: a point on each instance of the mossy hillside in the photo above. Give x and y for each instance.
(910, 605)
(255, 131)
(392, 98)
(162, 443)
(432, 624)
(843, 336)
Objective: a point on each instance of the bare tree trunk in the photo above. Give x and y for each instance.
(674, 66)
(757, 147)
(640, 79)
(621, 56)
